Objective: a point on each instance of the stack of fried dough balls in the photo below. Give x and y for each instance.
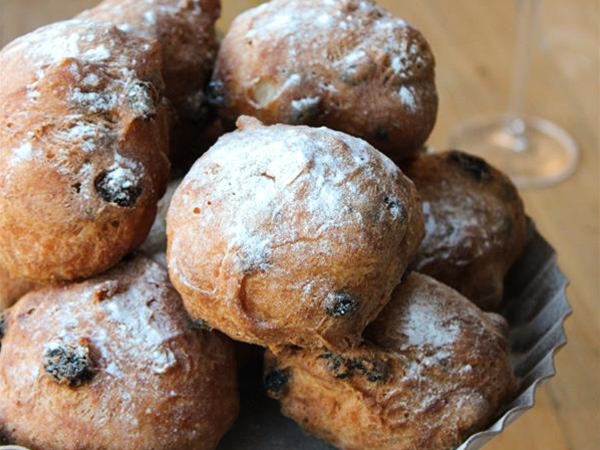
(302, 231)
(298, 238)
(101, 354)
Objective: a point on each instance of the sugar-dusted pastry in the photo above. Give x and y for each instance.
(290, 234)
(185, 30)
(113, 363)
(434, 369)
(83, 149)
(345, 64)
(475, 224)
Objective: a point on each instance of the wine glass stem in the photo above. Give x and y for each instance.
(526, 20)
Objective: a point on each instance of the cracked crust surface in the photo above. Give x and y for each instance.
(345, 64)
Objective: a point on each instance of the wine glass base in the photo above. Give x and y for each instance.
(533, 152)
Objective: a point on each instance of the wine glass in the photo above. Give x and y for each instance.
(534, 152)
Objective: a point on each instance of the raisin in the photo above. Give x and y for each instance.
(373, 370)
(277, 381)
(382, 134)
(67, 363)
(396, 208)
(474, 165)
(337, 365)
(215, 93)
(200, 325)
(340, 304)
(119, 186)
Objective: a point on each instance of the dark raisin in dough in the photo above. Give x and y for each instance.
(119, 186)
(67, 363)
(276, 381)
(341, 304)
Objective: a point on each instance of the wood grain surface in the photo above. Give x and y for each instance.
(473, 44)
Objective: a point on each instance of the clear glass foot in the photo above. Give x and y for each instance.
(533, 152)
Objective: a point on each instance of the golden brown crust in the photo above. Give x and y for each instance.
(345, 64)
(434, 370)
(12, 289)
(83, 143)
(475, 224)
(186, 32)
(289, 234)
(114, 363)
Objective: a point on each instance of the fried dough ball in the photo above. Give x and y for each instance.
(345, 64)
(83, 149)
(475, 224)
(290, 234)
(186, 32)
(12, 289)
(113, 363)
(434, 370)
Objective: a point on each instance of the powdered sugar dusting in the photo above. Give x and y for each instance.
(150, 17)
(99, 53)
(62, 40)
(138, 324)
(120, 181)
(94, 102)
(439, 341)
(126, 27)
(317, 27)
(354, 57)
(449, 226)
(91, 49)
(262, 183)
(305, 105)
(87, 132)
(136, 332)
(408, 98)
(32, 92)
(91, 80)
(424, 327)
(23, 153)
(140, 328)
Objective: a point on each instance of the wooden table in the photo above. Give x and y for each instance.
(472, 41)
